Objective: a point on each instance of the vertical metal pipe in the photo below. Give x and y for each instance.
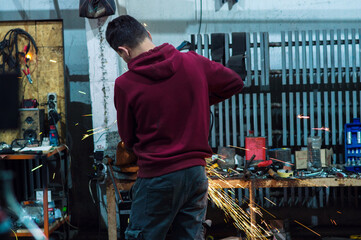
(354, 55)
(248, 113)
(325, 59)
(262, 113)
(262, 48)
(290, 58)
(199, 44)
(291, 117)
(347, 105)
(304, 58)
(333, 117)
(227, 117)
(298, 120)
(340, 117)
(297, 56)
(255, 59)
(220, 124)
(284, 120)
(267, 57)
(248, 60)
(312, 114)
(255, 114)
(319, 115)
(347, 58)
(332, 51)
(318, 58)
(234, 120)
(283, 50)
(354, 104)
(241, 120)
(269, 120)
(304, 81)
(327, 125)
(310, 55)
(339, 56)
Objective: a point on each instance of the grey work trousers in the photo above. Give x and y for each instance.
(178, 199)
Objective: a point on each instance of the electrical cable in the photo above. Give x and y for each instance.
(211, 124)
(200, 16)
(90, 190)
(16, 236)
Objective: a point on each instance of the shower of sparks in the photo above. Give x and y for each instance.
(97, 130)
(270, 201)
(224, 200)
(339, 212)
(82, 92)
(245, 149)
(36, 167)
(303, 117)
(307, 228)
(333, 221)
(87, 115)
(53, 61)
(322, 129)
(281, 161)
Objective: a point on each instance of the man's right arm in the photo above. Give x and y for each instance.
(125, 118)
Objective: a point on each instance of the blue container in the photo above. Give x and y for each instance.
(353, 143)
(53, 136)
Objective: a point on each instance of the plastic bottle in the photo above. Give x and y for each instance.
(314, 153)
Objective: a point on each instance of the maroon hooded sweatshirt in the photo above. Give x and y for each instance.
(163, 105)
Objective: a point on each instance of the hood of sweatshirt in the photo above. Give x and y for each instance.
(158, 63)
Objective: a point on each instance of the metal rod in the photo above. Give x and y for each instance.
(297, 56)
(269, 119)
(333, 117)
(255, 60)
(347, 58)
(291, 117)
(248, 60)
(326, 107)
(318, 58)
(241, 120)
(255, 114)
(283, 51)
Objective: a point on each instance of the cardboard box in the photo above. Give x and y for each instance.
(301, 158)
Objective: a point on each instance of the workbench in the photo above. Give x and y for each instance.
(44, 157)
(253, 184)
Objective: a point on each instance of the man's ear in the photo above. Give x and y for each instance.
(150, 35)
(124, 50)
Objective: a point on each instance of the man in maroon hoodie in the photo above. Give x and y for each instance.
(162, 105)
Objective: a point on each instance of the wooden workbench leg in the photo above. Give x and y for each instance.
(111, 208)
(251, 207)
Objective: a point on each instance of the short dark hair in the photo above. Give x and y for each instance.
(125, 31)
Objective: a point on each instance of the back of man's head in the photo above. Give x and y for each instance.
(125, 31)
